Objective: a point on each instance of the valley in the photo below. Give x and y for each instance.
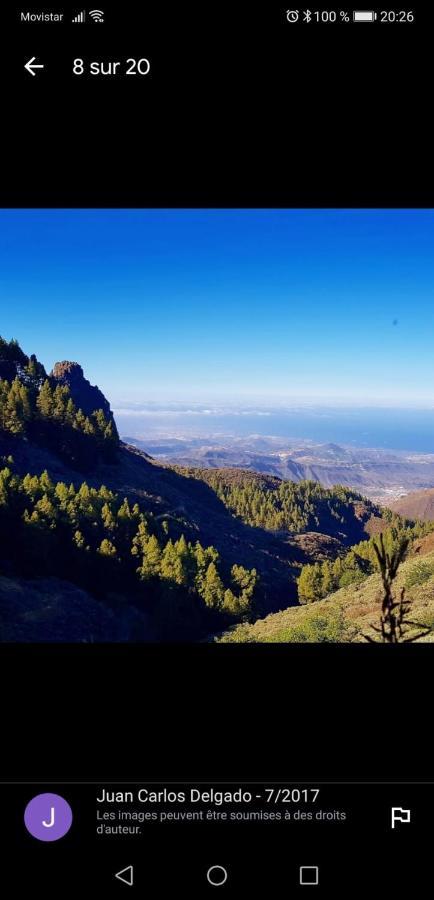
(383, 475)
(187, 537)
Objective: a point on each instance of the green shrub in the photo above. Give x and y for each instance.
(351, 576)
(325, 626)
(419, 573)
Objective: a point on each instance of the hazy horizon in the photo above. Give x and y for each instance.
(387, 428)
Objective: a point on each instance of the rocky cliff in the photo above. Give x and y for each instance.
(85, 395)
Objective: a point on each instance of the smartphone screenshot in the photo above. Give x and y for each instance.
(216, 450)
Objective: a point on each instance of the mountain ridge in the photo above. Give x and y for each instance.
(382, 475)
(139, 531)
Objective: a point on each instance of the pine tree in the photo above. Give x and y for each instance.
(309, 583)
(46, 511)
(99, 420)
(104, 493)
(46, 483)
(172, 568)
(34, 373)
(213, 591)
(110, 435)
(45, 400)
(79, 420)
(4, 393)
(79, 539)
(245, 580)
(62, 493)
(186, 556)
(60, 400)
(327, 581)
(231, 604)
(106, 434)
(15, 407)
(124, 511)
(106, 548)
(5, 480)
(151, 561)
(337, 569)
(108, 519)
(140, 539)
(203, 557)
(88, 427)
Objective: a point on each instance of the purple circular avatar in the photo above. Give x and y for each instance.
(48, 817)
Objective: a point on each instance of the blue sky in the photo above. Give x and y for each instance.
(324, 305)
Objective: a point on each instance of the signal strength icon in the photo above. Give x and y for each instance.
(80, 17)
(97, 15)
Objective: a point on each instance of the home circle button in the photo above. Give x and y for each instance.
(217, 875)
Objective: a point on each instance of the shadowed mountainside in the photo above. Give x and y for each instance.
(54, 610)
(148, 559)
(193, 508)
(283, 506)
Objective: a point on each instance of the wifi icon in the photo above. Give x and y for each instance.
(97, 15)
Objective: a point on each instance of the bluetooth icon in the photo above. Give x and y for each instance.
(307, 15)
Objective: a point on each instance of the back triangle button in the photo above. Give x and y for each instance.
(126, 875)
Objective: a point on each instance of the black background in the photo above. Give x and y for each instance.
(241, 109)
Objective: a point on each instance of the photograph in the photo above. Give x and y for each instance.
(216, 425)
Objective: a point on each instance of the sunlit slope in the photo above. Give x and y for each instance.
(348, 614)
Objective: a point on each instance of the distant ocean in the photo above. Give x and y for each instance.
(389, 429)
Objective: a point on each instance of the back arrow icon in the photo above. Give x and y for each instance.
(126, 875)
(30, 65)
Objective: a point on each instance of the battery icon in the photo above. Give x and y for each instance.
(364, 15)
